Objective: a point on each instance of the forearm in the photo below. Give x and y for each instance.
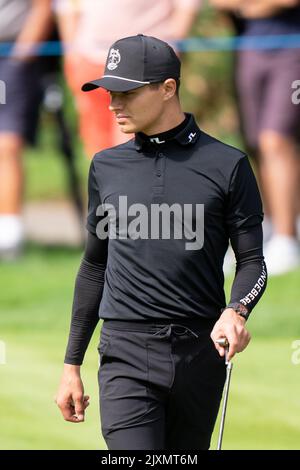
(282, 3)
(67, 25)
(265, 8)
(230, 5)
(249, 283)
(248, 287)
(68, 15)
(181, 21)
(87, 297)
(236, 4)
(251, 274)
(255, 8)
(36, 29)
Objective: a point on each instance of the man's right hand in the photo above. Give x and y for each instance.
(70, 397)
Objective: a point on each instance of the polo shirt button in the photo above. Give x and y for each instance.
(161, 155)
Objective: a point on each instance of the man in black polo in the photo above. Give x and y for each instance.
(162, 209)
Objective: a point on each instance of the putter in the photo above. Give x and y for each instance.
(224, 343)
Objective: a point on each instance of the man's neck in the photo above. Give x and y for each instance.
(170, 134)
(168, 123)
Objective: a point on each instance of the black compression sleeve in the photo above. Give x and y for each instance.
(251, 274)
(87, 296)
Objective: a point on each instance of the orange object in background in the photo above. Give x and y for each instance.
(97, 125)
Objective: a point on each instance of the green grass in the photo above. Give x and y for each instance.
(45, 168)
(35, 301)
(36, 297)
(263, 408)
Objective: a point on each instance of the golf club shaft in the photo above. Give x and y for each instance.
(225, 400)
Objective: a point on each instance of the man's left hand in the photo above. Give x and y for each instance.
(231, 326)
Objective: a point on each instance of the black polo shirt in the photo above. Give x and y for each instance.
(154, 277)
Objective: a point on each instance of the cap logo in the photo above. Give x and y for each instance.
(114, 59)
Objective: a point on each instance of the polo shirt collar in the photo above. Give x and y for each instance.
(187, 136)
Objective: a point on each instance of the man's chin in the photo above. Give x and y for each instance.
(127, 129)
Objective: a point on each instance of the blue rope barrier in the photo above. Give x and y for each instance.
(282, 41)
(193, 44)
(51, 48)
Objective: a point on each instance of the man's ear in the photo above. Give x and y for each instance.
(169, 87)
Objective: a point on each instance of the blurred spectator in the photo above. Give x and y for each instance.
(270, 120)
(24, 23)
(88, 27)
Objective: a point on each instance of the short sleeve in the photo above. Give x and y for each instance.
(93, 200)
(244, 205)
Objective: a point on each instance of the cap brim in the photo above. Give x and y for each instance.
(113, 84)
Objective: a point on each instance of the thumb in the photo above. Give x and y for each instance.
(79, 409)
(220, 350)
(86, 401)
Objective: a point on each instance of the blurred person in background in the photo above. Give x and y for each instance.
(87, 28)
(23, 23)
(270, 120)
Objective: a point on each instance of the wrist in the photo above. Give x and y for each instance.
(72, 369)
(240, 309)
(230, 315)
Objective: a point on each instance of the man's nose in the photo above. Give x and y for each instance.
(116, 103)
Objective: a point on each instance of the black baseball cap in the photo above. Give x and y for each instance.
(137, 61)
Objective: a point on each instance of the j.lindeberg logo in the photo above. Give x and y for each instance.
(155, 223)
(156, 140)
(114, 59)
(192, 136)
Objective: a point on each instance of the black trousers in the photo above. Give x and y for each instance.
(160, 385)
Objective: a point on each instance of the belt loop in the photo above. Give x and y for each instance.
(166, 329)
(193, 333)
